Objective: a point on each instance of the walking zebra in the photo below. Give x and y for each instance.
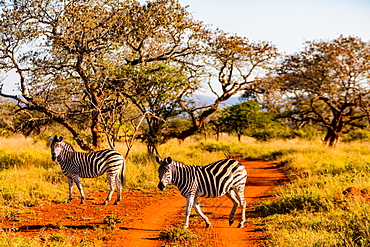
(222, 177)
(76, 165)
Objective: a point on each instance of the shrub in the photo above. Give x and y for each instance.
(176, 235)
(307, 201)
(213, 147)
(112, 219)
(356, 135)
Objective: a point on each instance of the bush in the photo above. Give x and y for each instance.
(306, 201)
(213, 147)
(356, 135)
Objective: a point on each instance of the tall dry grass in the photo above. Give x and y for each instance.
(29, 177)
(311, 210)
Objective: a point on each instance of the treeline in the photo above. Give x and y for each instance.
(111, 70)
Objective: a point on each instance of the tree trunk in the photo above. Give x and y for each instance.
(96, 132)
(331, 138)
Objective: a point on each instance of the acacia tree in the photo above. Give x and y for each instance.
(154, 89)
(233, 64)
(64, 52)
(246, 118)
(328, 83)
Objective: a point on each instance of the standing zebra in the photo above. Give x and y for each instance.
(76, 165)
(222, 177)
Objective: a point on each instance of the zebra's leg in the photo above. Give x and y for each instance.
(240, 196)
(76, 179)
(112, 183)
(199, 211)
(119, 189)
(70, 187)
(231, 195)
(189, 205)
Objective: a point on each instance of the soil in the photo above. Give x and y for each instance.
(144, 214)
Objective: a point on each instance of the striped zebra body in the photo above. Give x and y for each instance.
(223, 177)
(76, 165)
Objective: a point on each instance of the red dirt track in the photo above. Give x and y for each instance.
(145, 214)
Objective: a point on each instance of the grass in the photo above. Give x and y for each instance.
(311, 210)
(52, 239)
(28, 176)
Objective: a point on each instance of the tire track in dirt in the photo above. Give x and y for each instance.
(144, 231)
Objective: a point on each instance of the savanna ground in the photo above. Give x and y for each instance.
(325, 202)
(142, 217)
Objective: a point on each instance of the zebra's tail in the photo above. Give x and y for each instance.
(122, 175)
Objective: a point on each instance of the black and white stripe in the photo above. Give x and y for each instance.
(76, 165)
(223, 177)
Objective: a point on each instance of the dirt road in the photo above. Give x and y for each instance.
(144, 214)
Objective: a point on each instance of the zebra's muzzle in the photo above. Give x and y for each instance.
(161, 186)
(53, 158)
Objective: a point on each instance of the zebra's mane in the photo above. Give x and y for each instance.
(181, 164)
(68, 145)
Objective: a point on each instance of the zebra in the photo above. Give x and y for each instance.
(226, 176)
(76, 165)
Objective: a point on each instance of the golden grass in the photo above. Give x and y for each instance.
(311, 209)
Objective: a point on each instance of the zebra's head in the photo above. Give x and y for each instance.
(56, 146)
(164, 172)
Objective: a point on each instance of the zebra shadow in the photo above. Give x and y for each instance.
(31, 228)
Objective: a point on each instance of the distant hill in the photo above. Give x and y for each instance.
(200, 99)
(206, 100)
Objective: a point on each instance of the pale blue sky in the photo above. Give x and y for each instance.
(285, 23)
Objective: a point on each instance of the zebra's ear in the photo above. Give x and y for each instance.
(60, 138)
(168, 160)
(159, 161)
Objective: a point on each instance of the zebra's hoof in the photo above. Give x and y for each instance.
(241, 225)
(82, 202)
(208, 225)
(116, 203)
(231, 222)
(105, 203)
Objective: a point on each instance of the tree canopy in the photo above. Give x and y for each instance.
(64, 52)
(80, 63)
(94, 66)
(328, 83)
(249, 118)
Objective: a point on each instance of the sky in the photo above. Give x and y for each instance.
(285, 23)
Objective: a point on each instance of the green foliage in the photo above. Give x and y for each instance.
(249, 118)
(155, 88)
(213, 146)
(292, 202)
(307, 132)
(356, 135)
